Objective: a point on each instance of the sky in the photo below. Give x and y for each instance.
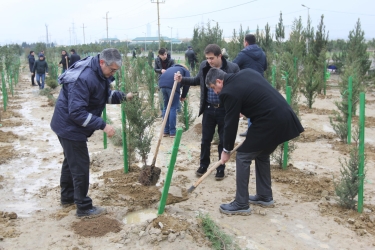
(71, 22)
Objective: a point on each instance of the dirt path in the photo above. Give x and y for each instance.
(305, 216)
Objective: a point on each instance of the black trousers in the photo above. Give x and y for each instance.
(262, 172)
(74, 181)
(32, 79)
(212, 117)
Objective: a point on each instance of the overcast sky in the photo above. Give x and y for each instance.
(24, 20)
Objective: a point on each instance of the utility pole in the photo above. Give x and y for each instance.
(83, 28)
(47, 34)
(308, 18)
(106, 17)
(157, 3)
(74, 36)
(171, 38)
(70, 36)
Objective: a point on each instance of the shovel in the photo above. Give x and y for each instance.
(150, 174)
(210, 170)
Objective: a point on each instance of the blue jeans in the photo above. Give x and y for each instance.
(38, 77)
(170, 126)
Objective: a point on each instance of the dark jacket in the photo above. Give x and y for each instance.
(158, 65)
(190, 55)
(40, 66)
(63, 61)
(82, 98)
(252, 57)
(74, 58)
(166, 79)
(272, 119)
(31, 62)
(200, 79)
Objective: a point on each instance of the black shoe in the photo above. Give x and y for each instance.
(219, 175)
(94, 211)
(34, 84)
(261, 200)
(201, 171)
(234, 208)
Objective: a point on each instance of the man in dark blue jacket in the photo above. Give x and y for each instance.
(31, 66)
(83, 96)
(251, 57)
(74, 57)
(166, 84)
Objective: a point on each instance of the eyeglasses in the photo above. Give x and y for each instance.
(112, 70)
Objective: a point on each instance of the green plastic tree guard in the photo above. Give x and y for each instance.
(350, 96)
(123, 121)
(104, 133)
(168, 177)
(361, 150)
(286, 144)
(186, 114)
(325, 78)
(4, 90)
(274, 76)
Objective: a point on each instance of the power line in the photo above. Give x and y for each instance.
(211, 11)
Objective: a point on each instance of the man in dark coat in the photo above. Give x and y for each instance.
(31, 59)
(191, 58)
(83, 96)
(74, 57)
(65, 61)
(41, 69)
(251, 57)
(213, 112)
(273, 122)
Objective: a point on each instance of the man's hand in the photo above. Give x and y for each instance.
(163, 70)
(177, 77)
(182, 99)
(129, 96)
(224, 157)
(109, 130)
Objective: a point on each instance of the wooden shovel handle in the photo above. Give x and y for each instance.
(165, 119)
(212, 168)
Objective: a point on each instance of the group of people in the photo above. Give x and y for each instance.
(228, 89)
(39, 68)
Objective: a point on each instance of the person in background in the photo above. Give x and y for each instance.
(210, 106)
(74, 57)
(166, 84)
(274, 122)
(31, 59)
(150, 57)
(251, 57)
(41, 69)
(162, 63)
(64, 61)
(84, 93)
(191, 58)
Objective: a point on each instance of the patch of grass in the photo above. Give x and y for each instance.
(219, 239)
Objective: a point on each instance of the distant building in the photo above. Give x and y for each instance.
(154, 39)
(109, 40)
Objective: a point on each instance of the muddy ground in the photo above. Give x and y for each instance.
(305, 216)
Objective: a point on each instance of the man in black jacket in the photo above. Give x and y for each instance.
(273, 122)
(74, 57)
(31, 65)
(41, 69)
(191, 58)
(65, 61)
(210, 106)
(162, 63)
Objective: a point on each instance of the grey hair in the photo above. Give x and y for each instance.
(110, 56)
(212, 75)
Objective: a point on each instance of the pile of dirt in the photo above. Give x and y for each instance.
(312, 188)
(8, 225)
(8, 137)
(96, 227)
(7, 153)
(312, 135)
(306, 110)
